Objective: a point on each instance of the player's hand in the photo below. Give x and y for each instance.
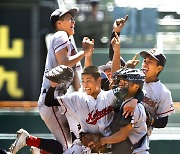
(129, 108)
(119, 24)
(53, 84)
(88, 45)
(133, 62)
(115, 42)
(91, 51)
(102, 141)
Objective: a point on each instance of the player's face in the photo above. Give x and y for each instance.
(108, 73)
(123, 83)
(67, 24)
(91, 86)
(150, 68)
(132, 87)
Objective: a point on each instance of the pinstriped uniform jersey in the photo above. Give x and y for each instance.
(94, 115)
(162, 101)
(161, 105)
(58, 41)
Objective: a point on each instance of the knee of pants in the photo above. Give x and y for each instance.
(45, 112)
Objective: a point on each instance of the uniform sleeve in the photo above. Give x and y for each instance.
(49, 99)
(165, 107)
(60, 41)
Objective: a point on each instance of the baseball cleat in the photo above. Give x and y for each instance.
(35, 150)
(20, 141)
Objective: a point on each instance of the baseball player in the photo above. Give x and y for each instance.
(93, 115)
(131, 130)
(158, 101)
(93, 109)
(60, 51)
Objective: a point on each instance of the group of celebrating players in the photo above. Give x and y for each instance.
(113, 108)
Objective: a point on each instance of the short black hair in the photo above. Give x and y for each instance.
(92, 70)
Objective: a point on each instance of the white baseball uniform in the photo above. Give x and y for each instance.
(56, 122)
(163, 104)
(94, 115)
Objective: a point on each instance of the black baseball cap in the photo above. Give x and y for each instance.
(159, 56)
(58, 13)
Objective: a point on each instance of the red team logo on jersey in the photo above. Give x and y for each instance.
(93, 117)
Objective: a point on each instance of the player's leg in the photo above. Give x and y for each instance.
(25, 139)
(57, 124)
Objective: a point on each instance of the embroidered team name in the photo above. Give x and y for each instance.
(149, 101)
(93, 117)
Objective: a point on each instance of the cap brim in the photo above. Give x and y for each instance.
(104, 67)
(72, 11)
(145, 53)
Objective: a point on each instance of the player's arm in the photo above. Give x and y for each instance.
(117, 137)
(117, 27)
(111, 51)
(129, 107)
(88, 57)
(75, 83)
(115, 42)
(160, 122)
(63, 58)
(49, 99)
(165, 108)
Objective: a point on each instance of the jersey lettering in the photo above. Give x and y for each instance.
(149, 102)
(94, 117)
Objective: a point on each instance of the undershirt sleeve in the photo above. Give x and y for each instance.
(49, 100)
(160, 122)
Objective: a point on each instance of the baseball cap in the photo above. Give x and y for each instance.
(60, 12)
(104, 67)
(159, 56)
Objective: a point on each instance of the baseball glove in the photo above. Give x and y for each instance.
(60, 73)
(92, 140)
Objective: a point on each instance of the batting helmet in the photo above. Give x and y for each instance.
(129, 74)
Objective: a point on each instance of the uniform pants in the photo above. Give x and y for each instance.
(57, 124)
